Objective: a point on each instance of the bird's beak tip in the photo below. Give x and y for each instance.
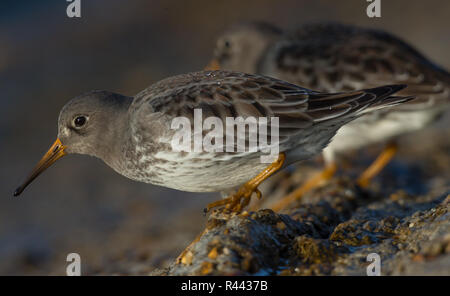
(55, 152)
(17, 191)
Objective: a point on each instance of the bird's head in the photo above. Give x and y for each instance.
(241, 47)
(88, 125)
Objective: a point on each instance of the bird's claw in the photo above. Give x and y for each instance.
(237, 201)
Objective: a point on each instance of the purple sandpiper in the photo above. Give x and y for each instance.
(133, 134)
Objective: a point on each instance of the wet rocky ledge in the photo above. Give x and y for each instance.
(330, 232)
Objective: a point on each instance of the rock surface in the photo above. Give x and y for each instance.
(331, 237)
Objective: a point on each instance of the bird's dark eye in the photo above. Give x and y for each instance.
(79, 121)
(227, 44)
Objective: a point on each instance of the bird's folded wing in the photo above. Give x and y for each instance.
(231, 95)
(333, 57)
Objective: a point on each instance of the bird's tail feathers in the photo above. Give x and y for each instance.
(383, 98)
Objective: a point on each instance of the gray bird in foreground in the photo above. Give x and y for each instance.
(133, 134)
(333, 57)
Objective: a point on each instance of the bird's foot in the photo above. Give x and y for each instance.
(241, 198)
(237, 201)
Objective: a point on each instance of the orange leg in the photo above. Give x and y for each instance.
(213, 65)
(245, 192)
(379, 163)
(312, 183)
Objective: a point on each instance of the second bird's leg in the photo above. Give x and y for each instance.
(380, 162)
(237, 201)
(312, 183)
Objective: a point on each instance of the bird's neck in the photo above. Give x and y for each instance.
(118, 137)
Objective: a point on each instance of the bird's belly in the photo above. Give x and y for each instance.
(198, 172)
(366, 130)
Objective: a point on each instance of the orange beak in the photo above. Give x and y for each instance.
(55, 152)
(213, 65)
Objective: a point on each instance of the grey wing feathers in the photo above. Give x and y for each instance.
(230, 94)
(227, 94)
(329, 106)
(334, 57)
